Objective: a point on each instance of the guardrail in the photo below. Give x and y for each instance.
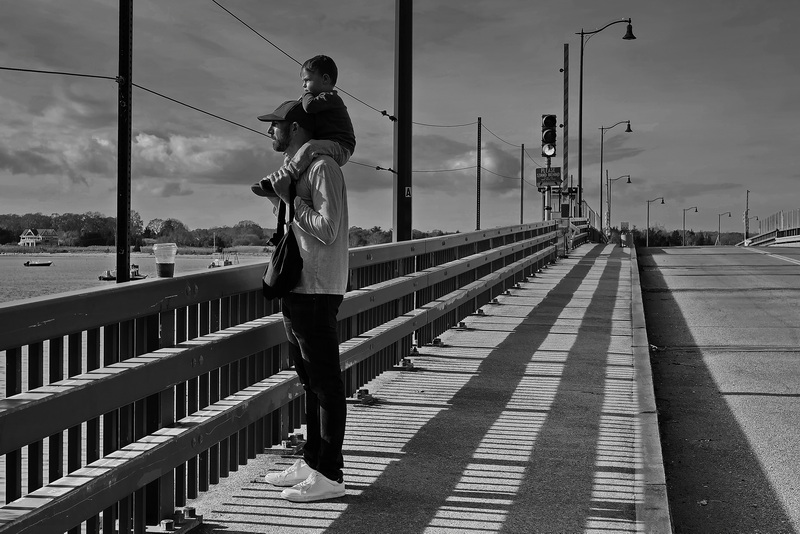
(172, 384)
(779, 228)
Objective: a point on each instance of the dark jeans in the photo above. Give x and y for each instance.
(310, 322)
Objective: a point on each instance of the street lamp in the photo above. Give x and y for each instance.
(719, 225)
(602, 136)
(647, 239)
(608, 188)
(628, 36)
(684, 221)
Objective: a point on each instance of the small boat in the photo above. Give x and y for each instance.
(223, 259)
(111, 274)
(37, 263)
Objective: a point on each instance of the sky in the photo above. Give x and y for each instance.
(709, 86)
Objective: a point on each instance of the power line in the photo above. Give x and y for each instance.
(39, 71)
(282, 51)
(444, 125)
(450, 170)
(117, 79)
(198, 109)
(533, 160)
(236, 123)
(382, 112)
(500, 175)
(376, 167)
(501, 139)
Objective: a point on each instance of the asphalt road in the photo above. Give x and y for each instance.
(724, 328)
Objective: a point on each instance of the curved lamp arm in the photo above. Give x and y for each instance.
(628, 35)
(628, 130)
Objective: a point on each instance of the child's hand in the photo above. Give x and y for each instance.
(280, 181)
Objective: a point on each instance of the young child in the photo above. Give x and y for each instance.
(333, 131)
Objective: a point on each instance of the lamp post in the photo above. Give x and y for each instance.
(628, 36)
(719, 224)
(602, 137)
(684, 221)
(647, 239)
(608, 189)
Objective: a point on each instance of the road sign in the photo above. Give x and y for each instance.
(550, 177)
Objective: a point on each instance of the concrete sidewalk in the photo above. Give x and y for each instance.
(536, 417)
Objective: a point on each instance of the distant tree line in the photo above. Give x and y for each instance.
(659, 237)
(93, 228)
(359, 237)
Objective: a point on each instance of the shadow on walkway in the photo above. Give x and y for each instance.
(523, 422)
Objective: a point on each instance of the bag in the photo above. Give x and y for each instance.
(284, 267)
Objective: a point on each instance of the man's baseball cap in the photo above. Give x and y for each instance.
(292, 111)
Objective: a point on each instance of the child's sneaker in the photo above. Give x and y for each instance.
(294, 474)
(263, 188)
(317, 487)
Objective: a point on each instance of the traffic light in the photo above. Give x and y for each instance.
(549, 125)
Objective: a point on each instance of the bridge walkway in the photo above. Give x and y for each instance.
(535, 416)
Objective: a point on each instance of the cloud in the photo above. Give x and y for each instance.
(73, 160)
(204, 159)
(29, 161)
(613, 150)
(172, 189)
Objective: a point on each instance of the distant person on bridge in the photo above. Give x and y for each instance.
(309, 311)
(333, 133)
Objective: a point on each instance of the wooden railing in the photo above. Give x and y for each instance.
(131, 399)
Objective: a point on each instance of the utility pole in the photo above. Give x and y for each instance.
(124, 140)
(565, 128)
(521, 183)
(402, 127)
(747, 215)
(478, 179)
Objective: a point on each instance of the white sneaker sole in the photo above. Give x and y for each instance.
(285, 483)
(300, 497)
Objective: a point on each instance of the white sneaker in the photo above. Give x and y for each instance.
(317, 487)
(294, 474)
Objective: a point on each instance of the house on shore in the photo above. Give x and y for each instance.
(33, 237)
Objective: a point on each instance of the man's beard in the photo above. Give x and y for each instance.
(281, 142)
(280, 145)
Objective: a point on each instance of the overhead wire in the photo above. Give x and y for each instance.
(500, 138)
(278, 48)
(179, 102)
(382, 112)
(449, 170)
(171, 99)
(533, 160)
(445, 125)
(39, 71)
(236, 123)
(197, 109)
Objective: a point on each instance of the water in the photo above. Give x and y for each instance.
(81, 271)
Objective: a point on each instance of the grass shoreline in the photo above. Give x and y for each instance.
(16, 250)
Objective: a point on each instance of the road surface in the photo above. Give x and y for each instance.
(724, 328)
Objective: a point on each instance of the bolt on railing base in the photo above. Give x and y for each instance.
(185, 520)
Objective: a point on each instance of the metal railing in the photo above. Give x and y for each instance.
(124, 402)
(780, 227)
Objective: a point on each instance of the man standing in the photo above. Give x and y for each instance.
(309, 312)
